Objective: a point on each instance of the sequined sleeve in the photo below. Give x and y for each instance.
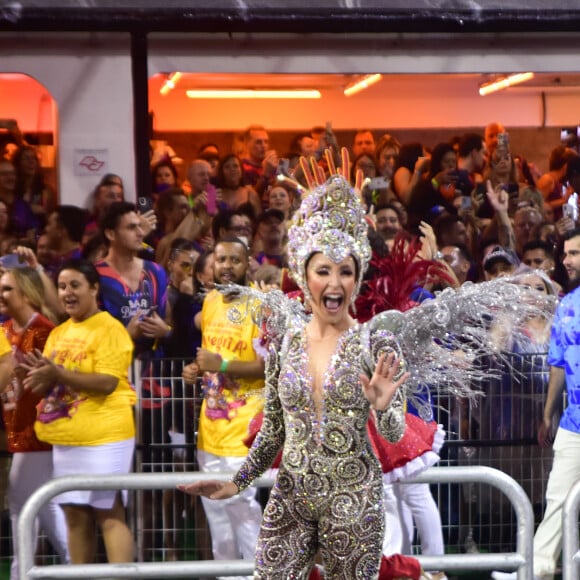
(270, 438)
(378, 338)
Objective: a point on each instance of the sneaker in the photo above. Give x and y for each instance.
(469, 546)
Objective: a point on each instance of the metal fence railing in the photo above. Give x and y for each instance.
(520, 560)
(499, 432)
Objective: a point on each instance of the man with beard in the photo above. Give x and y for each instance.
(388, 222)
(459, 260)
(564, 361)
(233, 380)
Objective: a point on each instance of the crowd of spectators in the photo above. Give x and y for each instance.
(404, 184)
(490, 213)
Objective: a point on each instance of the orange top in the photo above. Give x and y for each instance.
(18, 405)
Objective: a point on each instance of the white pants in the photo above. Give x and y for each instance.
(27, 473)
(403, 504)
(393, 542)
(233, 523)
(417, 504)
(565, 472)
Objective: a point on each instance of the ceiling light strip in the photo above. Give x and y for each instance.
(170, 83)
(504, 83)
(252, 94)
(362, 84)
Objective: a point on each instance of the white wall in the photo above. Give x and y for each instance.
(89, 78)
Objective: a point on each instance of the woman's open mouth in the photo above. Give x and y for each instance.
(332, 302)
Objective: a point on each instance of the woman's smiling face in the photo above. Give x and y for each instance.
(331, 286)
(77, 296)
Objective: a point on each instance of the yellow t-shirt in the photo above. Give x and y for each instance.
(229, 403)
(5, 347)
(100, 344)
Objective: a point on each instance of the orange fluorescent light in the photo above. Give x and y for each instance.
(170, 83)
(364, 83)
(504, 83)
(252, 94)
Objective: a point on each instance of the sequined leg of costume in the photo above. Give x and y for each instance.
(351, 534)
(347, 526)
(287, 541)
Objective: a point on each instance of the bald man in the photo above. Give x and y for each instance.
(199, 174)
(490, 136)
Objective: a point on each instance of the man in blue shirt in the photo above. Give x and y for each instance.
(131, 289)
(564, 361)
(134, 291)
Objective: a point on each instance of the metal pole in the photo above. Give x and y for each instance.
(140, 113)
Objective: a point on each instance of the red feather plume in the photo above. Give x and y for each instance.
(397, 275)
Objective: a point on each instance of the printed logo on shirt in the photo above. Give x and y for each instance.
(61, 402)
(216, 386)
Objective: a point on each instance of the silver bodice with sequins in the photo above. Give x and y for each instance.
(324, 444)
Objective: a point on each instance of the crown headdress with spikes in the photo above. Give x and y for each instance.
(330, 220)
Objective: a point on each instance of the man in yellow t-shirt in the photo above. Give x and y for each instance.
(233, 381)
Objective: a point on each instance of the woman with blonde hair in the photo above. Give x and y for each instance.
(28, 327)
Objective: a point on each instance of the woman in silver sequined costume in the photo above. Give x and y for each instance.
(324, 373)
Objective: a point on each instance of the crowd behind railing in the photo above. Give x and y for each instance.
(480, 212)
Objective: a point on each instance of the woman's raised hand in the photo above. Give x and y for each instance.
(212, 489)
(382, 386)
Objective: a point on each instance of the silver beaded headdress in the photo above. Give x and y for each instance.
(330, 220)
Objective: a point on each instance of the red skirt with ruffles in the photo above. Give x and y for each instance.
(417, 450)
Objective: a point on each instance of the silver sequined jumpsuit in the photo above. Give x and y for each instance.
(328, 493)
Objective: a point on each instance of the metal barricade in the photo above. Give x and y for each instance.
(135, 481)
(499, 431)
(167, 526)
(521, 560)
(570, 542)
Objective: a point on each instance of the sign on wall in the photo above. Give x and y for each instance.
(91, 162)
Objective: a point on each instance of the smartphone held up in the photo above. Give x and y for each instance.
(570, 208)
(11, 261)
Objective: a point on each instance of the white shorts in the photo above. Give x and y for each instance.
(109, 459)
